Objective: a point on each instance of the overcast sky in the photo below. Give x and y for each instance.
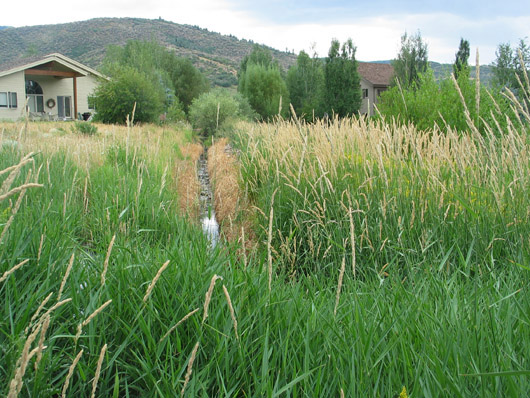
(375, 26)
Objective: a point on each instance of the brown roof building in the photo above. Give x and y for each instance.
(375, 78)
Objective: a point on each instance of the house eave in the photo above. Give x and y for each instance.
(79, 69)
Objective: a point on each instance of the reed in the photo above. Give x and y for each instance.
(440, 246)
(65, 277)
(12, 270)
(208, 296)
(107, 257)
(189, 369)
(98, 371)
(22, 363)
(70, 373)
(89, 319)
(231, 308)
(155, 280)
(174, 327)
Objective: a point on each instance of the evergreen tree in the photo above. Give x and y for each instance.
(342, 83)
(411, 61)
(462, 57)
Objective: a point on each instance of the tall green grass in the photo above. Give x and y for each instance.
(392, 199)
(462, 333)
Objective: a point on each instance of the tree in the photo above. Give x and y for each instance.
(258, 56)
(177, 76)
(265, 90)
(261, 82)
(411, 62)
(305, 82)
(115, 99)
(342, 83)
(187, 80)
(503, 71)
(212, 111)
(462, 57)
(510, 66)
(415, 105)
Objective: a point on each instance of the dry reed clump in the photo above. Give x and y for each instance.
(188, 186)
(231, 207)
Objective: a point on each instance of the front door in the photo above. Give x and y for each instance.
(64, 106)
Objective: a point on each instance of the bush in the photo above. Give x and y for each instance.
(264, 88)
(85, 128)
(215, 111)
(114, 99)
(439, 103)
(175, 112)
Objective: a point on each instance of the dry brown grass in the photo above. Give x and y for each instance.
(232, 210)
(188, 186)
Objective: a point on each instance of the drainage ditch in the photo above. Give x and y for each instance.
(210, 227)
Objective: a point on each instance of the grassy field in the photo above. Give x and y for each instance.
(383, 258)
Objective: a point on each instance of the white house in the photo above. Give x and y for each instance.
(54, 86)
(375, 78)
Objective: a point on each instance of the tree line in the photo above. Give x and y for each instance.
(167, 88)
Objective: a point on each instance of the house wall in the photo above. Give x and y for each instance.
(368, 101)
(85, 88)
(13, 83)
(51, 88)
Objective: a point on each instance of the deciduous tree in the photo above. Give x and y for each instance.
(342, 83)
(261, 82)
(305, 81)
(411, 62)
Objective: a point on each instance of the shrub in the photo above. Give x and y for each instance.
(175, 112)
(433, 103)
(114, 99)
(213, 111)
(85, 128)
(264, 88)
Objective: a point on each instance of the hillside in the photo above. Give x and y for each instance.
(218, 56)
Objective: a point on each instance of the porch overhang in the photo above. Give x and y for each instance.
(57, 70)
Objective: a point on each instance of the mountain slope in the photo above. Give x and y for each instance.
(218, 56)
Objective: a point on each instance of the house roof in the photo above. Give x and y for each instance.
(376, 73)
(56, 58)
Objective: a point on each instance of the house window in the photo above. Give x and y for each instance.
(13, 103)
(365, 93)
(35, 97)
(8, 100)
(91, 102)
(381, 90)
(64, 106)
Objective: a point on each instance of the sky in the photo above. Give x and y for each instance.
(375, 26)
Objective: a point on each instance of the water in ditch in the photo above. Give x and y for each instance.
(210, 226)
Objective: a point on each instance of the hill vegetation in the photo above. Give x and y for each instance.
(217, 56)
